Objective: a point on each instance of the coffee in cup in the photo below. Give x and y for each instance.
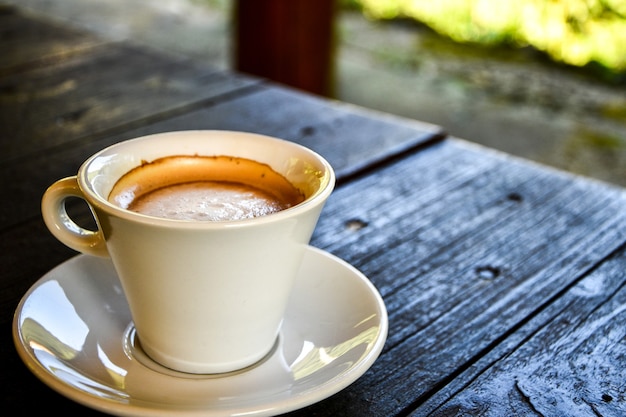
(209, 188)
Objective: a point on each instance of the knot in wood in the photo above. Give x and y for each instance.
(355, 224)
(307, 131)
(515, 197)
(487, 272)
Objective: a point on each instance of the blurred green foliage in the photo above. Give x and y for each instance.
(574, 32)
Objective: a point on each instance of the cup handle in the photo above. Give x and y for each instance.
(62, 226)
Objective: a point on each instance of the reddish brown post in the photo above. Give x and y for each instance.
(287, 41)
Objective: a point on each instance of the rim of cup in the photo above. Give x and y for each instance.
(94, 197)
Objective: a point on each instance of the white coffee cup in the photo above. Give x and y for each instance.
(205, 296)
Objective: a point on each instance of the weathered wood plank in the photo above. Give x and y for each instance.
(352, 138)
(572, 366)
(29, 42)
(103, 89)
(464, 245)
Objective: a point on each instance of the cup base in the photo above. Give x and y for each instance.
(134, 350)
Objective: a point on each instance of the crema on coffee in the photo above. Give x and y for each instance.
(212, 188)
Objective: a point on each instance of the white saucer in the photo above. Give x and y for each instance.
(73, 330)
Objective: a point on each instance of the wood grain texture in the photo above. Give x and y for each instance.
(104, 89)
(353, 139)
(28, 42)
(572, 365)
(350, 137)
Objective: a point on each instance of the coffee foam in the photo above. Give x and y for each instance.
(207, 200)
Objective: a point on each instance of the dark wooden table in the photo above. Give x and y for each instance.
(504, 280)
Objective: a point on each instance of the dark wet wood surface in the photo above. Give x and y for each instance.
(504, 280)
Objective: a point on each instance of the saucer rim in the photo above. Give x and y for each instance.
(311, 396)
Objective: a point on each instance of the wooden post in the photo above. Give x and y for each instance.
(287, 41)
